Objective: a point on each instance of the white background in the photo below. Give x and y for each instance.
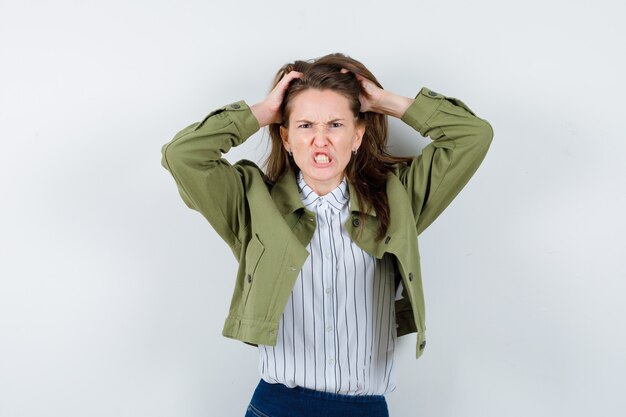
(113, 293)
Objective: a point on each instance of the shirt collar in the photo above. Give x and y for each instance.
(337, 198)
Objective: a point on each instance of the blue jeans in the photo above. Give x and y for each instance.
(277, 400)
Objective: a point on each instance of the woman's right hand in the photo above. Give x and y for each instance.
(268, 111)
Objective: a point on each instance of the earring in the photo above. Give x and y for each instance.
(354, 151)
(290, 154)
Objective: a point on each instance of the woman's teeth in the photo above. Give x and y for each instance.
(322, 159)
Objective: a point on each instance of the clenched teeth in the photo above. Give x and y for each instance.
(322, 159)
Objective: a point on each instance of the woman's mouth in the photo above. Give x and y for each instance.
(321, 158)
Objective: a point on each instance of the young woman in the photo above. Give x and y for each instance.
(326, 238)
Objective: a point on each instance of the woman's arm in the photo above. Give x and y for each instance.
(207, 182)
(460, 142)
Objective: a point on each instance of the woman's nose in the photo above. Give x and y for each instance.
(320, 137)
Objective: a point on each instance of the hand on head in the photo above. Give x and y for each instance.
(268, 110)
(370, 95)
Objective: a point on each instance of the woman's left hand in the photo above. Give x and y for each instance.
(370, 95)
(377, 100)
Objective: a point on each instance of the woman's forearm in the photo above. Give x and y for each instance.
(393, 104)
(263, 114)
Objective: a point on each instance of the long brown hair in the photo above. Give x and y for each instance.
(367, 170)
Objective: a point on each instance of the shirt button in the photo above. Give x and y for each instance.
(235, 106)
(331, 361)
(328, 291)
(432, 93)
(356, 222)
(329, 328)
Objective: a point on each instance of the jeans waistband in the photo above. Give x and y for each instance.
(280, 389)
(278, 400)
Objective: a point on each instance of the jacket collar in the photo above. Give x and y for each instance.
(286, 195)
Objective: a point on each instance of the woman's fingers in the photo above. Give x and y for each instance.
(369, 90)
(268, 111)
(371, 94)
(287, 78)
(293, 74)
(366, 95)
(279, 91)
(275, 98)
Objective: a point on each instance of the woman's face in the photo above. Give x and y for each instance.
(321, 135)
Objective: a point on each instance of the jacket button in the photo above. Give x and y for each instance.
(356, 222)
(422, 345)
(249, 278)
(432, 93)
(410, 276)
(235, 106)
(387, 239)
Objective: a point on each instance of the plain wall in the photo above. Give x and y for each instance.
(113, 293)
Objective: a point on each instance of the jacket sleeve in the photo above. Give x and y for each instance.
(207, 182)
(460, 142)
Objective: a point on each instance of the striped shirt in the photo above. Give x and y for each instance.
(337, 333)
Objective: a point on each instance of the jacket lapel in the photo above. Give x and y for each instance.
(286, 195)
(355, 205)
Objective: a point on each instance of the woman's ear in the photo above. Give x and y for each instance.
(285, 137)
(359, 132)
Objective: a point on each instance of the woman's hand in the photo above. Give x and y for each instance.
(371, 94)
(268, 110)
(377, 100)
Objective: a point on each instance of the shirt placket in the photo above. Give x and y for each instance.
(328, 278)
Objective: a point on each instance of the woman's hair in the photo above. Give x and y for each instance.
(367, 170)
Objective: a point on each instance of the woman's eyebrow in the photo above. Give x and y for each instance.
(308, 121)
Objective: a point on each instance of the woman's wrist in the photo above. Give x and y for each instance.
(393, 104)
(263, 114)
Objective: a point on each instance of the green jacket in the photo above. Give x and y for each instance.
(268, 228)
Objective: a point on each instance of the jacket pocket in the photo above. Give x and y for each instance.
(254, 251)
